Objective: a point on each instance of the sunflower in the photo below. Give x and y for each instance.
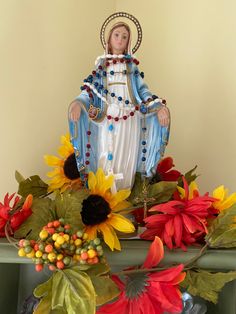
(223, 199)
(100, 210)
(65, 175)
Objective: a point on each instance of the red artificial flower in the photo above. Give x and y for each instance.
(18, 217)
(156, 293)
(183, 221)
(164, 172)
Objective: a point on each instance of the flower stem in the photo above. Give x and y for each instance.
(196, 257)
(187, 265)
(9, 238)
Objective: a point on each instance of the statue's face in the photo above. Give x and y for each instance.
(119, 40)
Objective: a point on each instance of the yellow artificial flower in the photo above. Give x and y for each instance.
(193, 191)
(65, 174)
(224, 200)
(100, 210)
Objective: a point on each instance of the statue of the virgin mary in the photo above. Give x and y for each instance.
(116, 123)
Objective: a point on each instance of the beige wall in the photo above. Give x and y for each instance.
(188, 56)
(46, 50)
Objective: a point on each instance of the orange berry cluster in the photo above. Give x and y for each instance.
(57, 247)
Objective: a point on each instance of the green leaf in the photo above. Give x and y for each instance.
(43, 289)
(42, 213)
(105, 288)
(189, 176)
(33, 185)
(205, 284)
(73, 288)
(69, 205)
(98, 270)
(156, 193)
(222, 232)
(18, 176)
(59, 287)
(137, 189)
(44, 306)
(162, 191)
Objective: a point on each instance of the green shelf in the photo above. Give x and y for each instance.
(18, 277)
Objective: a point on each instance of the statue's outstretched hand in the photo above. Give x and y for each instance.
(163, 115)
(74, 111)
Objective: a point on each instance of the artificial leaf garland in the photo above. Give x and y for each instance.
(221, 232)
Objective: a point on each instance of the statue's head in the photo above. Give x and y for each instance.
(119, 39)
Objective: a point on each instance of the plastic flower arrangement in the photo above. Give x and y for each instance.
(65, 173)
(100, 210)
(70, 232)
(155, 292)
(14, 214)
(183, 220)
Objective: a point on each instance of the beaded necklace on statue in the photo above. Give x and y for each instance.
(99, 90)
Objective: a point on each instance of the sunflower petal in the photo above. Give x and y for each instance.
(54, 172)
(229, 201)
(100, 175)
(65, 152)
(120, 208)
(106, 184)
(181, 191)
(219, 193)
(119, 197)
(192, 187)
(91, 231)
(108, 236)
(121, 223)
(53, 161)
(92, 181)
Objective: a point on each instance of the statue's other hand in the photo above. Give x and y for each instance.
(74, 111)
(163, 116)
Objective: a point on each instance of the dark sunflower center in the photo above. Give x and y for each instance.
(70, 168)
(94, 210)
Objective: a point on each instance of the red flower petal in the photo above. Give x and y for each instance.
(167, 240)
(171, 207)
(150, 234)
(172, 175)
(169, 227)
(117, 307)
(169, 275)
(178, 225)
(2, 223)
(190, 225)
(165, 164)
(167, 296)
(19, 217)
(4, 212)
(150, 305)
(155, 254)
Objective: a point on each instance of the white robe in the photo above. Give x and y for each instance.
(123, 140)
